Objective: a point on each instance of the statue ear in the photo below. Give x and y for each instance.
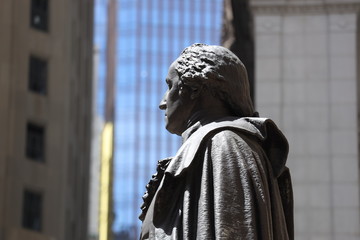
(192, 91)
(195, 92)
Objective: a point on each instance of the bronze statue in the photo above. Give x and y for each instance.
(228, 180)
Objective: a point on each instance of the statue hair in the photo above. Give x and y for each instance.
(219, 70)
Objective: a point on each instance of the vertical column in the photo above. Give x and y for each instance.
(107, 152)
(342, 51)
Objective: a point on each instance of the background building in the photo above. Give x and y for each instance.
(45, 116)
(151, 34)
(95, 164)
(307, 80)
(303, 59)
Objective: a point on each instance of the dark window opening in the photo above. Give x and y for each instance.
(35, 142)
(39, 14)
(37, 75)
(32, 210)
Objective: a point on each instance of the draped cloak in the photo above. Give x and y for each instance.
(227, 181)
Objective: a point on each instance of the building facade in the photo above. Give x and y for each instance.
(307, 80)
(45, 118)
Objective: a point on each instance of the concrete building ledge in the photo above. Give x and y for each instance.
(304, 6)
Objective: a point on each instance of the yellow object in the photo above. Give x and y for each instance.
(105, 181)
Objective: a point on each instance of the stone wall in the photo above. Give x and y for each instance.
(306, 80)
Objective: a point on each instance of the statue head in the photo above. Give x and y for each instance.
(221, 71)
(214, 68)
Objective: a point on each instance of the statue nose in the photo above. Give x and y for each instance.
(162, 104)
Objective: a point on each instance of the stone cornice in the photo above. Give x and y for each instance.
(296, 7)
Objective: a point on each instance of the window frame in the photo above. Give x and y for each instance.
(40, 9)
(36, 151)
(38, 74)
(32, 211)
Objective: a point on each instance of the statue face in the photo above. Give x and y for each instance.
(176, 103)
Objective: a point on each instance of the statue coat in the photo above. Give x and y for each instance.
(227, 181)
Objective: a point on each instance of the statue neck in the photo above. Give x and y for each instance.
(206, 116)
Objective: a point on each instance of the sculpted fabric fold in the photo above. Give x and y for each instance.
(208, 193)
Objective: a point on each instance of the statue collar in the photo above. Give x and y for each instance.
(274, 142)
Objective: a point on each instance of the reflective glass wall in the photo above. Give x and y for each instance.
(150, 35)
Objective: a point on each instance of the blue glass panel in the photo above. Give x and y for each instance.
(151, 34)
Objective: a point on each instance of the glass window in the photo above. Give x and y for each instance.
(35, 142)
(32, 210)
(38, 69)
(39, 14)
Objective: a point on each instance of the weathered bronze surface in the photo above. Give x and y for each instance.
(228, 180)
